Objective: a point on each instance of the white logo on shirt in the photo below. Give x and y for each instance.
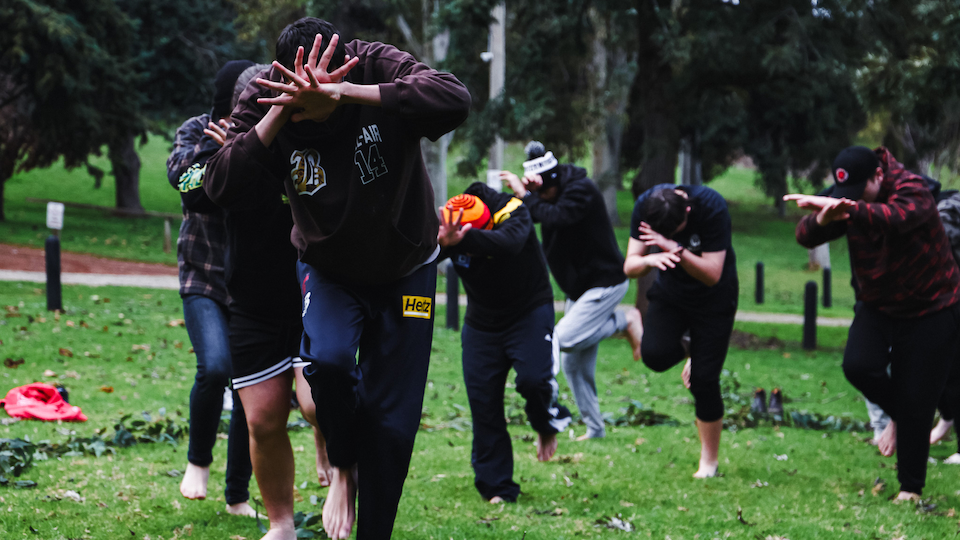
(306, 304)
(369, 160)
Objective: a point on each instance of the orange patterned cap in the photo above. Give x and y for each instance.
(474, 211)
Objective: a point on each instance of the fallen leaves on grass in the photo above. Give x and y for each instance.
(878, 486)
(13, 364)
(49, 373)
(176, 322)
(106, 389)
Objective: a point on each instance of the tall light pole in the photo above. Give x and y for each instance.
(497, 57)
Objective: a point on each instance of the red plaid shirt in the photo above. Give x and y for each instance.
(900, 253)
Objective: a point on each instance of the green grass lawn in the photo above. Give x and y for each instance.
(782, 481)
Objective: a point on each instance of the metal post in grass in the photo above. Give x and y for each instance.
(453, 298)
(827, 288)
(52, 256)
(759, 292)
(810, 316)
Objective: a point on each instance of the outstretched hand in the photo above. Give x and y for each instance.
(650, 237)
(313, 91)
(451, 231)
(828, 209)
(218, 132)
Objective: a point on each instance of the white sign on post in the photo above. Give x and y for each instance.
(493, 179)
(55, 216)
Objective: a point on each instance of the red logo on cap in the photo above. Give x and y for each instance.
(842, 175)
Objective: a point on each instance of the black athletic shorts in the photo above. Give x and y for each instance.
(262, 349)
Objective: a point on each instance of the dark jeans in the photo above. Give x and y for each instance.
(207, 325)
(487, 359)
(369, 349)
(664, 326)
(920, 352)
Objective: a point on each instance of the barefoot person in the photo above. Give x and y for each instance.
(490, 239)
(908, 294)
(587, 263)
(265, 327)
(200, 256)
(696, 291)
(343, 139)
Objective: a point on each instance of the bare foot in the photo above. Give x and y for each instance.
(887, 443)
(706, 470)
(906, 496)
(324, 469)
(242, 509)
(496, 500)
(546, 446)
(685, 374)
(634, 331)
(194, 483)
(940, 430)
(339, 511)
(280, 534)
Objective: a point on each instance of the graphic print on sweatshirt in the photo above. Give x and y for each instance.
(367, 156)
(307, 174)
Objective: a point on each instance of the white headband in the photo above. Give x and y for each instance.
(541, 164)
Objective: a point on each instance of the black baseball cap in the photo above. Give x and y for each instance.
(852, 168)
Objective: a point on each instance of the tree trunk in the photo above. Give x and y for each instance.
(126, 171)
(650, 94)
(611, 74)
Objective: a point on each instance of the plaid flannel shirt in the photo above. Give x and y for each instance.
(203, 237)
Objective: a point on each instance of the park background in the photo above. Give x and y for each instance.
(752, 98)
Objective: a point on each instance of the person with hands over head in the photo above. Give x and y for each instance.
(586, 261)
(696, 291)
(490, 239)
(908, 296)
(341, 134)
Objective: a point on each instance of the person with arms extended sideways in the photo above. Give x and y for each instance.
(696, 291)
(339, 128)
(908, 296)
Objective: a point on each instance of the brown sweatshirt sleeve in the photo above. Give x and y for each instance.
(433, 102)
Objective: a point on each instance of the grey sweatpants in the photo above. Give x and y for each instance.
(576, 338)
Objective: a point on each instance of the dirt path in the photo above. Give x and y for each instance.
(32, 260)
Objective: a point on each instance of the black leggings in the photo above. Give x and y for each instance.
(920, 352)
(664, 326)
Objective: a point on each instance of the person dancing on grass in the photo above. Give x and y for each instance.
(696, 291)
(339, 129)
(586, 262)
(908, 295)
(509, 324)
(200, 257)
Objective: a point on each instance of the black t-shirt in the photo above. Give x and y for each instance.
(707, 230)
(503, 270)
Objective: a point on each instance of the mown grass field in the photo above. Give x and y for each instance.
(784, 481)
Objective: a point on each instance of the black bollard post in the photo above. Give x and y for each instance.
(810, 316)
(759, 293)
(827, 288)
(453, 298)
(52, 259)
